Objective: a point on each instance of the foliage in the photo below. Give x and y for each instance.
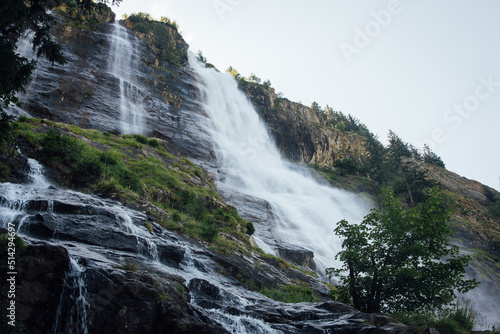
(201, 57)
(290, 294)
(459, 319)
(88, 4)
(399, 259)
(5, 133)
(209, 228)
(431, 157)
(266, 84)
(346, 166)
(250, 228)
(18, 18)
(493, 203)
(163, 43)
(130, 266)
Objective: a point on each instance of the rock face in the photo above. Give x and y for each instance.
(86, 92)
(301, 133)
(92, 266)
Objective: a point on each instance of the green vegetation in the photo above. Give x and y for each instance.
(493, 203)
(130, 266)
(291, 294)
(393, 260)
(458, 319)
(85, 16)
(132, 168)
(159, 35)
(18, 18)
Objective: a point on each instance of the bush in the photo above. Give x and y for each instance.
(141, 139)
(153, 142)
(87, 171)
(57, 147)
(250, 228)
(346, 166)
(209, 228)
(176, 217)
(448, 326)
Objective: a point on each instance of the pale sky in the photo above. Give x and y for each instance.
(429, 70)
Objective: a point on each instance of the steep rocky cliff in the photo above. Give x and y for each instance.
(301, 133)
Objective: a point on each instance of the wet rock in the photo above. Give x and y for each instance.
(41, 271)
(297, 255)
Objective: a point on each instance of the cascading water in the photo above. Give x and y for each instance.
(306, 211)
(72, 311)
(123, 59)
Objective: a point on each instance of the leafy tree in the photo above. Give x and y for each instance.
(87, 4)
(267, 84)
(397, 149)
(316, 107)
(431, 157)
(254, 78)
(18, 17)
(399, 260)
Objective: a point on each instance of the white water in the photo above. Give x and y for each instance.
(16, 196)
(306, 212)
(123, 59)
(72, 311)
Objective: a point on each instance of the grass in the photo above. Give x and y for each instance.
(133, 167)
(291, 294)
(459, 319)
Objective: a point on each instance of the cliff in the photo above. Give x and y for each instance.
(301, 133)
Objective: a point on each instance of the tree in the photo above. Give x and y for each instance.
(17, 17)
(431, 157)
(399, 259)
(87, 4)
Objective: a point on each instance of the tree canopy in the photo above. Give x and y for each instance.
(399, 259)
(18, 17)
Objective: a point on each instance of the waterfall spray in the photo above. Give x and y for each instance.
(306, 211)
(124, 58)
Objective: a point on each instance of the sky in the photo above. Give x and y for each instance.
(427, 70)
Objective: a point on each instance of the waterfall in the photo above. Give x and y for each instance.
(305, 211)
(15, 197)
(123, 60)
(72, 310)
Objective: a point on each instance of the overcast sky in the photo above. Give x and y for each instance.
(429, 70)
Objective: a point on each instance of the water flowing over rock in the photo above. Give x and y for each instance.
(304, 212)
(113, 82)
(90, 267)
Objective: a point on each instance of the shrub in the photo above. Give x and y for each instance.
(153, 142)
(209, 228)
(87, 171)
(58, 147)
(141, 139)
(176, 217)
(291, 294)
(250, 228)
(448, 326)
